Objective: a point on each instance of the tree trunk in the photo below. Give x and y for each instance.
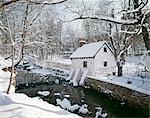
(119, 67)
(146, 37)
(12, 71)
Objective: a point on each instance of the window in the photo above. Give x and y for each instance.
(105, 63)
(85, 64)
(105, 49)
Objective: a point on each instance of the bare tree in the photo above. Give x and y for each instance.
(133, 22)
(7, 8)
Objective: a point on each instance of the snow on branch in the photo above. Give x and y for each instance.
(141, 6)
(128, 32)
(2, 5)
(34, 42)
(46, 2)
(109, 19)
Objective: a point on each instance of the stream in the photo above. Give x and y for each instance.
(80, 96)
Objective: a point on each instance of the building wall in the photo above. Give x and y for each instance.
(78, 63)
(102, 56)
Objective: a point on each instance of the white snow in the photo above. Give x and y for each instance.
(88, 50)
(4, 81)
(42, 71)
(56, 81)
(99, 113)
(58, 59)
(67, 96)
(44, 93)
(4, 63)
(137, 83)
(84, 109)
(57, 94)
(66, 104)
(21, 106)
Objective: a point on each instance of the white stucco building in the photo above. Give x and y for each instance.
(97, 57)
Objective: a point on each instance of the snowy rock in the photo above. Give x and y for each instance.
(83, 109)
(27, 84)
(99, 108)
(122, 103)
(66, 104)
(74, 107)
(67, 96)
(107, 91)
(104, 115)
(44, 93)
(57, 94)
(99, 113)
(56, 81)
(58, 101)
(82, 101)
(71, 81)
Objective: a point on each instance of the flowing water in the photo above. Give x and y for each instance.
(81, 95)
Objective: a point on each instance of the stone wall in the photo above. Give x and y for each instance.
(132, 98)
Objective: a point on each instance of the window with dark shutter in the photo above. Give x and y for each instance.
(105, 49)
(105, 63)
(84, 64)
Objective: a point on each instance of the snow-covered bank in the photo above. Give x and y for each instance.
(137, 84)
(22, 106)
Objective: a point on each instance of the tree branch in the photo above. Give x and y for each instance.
(31, 2)
(7, 3)
(47, 3)
(108, 19)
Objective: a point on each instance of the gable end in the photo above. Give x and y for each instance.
(101, 48)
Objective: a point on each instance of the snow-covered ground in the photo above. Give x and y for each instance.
(59, 59)
(21, 106)
(136, 82)
(130, 73)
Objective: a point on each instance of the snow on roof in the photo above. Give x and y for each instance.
(88, 50)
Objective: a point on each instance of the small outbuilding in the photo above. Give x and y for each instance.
(97, 58)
